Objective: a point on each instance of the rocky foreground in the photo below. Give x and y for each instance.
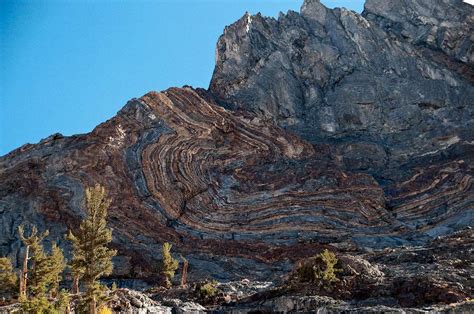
(433, 278)
(320, 129)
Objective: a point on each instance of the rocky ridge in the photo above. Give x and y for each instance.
(324, 128)
(384, 88)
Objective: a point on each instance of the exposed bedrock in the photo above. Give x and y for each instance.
(232, 192)
(383, 87)
(182, 169)
(322, 127)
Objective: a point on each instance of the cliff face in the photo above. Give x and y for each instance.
(395, 81)
(220, 186)
(323, 126)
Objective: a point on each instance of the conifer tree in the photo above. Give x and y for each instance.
(44, 272)
(169, 264)
(8, 277)
(40, 276)
(63, 305)
(33, 240)
(57, 265)
(91, 258)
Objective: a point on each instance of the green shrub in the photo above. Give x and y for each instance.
(206, 291)
(320, 268)
(329, 261)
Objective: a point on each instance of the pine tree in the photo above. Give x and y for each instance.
(8, 277)
(169, 264)
(33, 240)
(92, 258)
(63, 304)
(40, 275)
(44, 271)
(57, 265)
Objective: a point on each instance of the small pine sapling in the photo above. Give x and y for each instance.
(169, 265)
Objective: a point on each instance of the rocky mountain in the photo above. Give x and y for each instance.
(395, 81)
(324, 127)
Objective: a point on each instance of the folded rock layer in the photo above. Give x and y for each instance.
(320, 127)
(383, 87)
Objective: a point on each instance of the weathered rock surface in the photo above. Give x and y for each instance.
(180, 168)
(319, 304)
(384, 87)
(236, 290)
(134, 302)
(319, 127)
(119, 301)
(181, 307)
(390, 280)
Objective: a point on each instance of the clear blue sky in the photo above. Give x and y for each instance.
(66, 66)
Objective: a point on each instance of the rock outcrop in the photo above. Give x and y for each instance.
(320, 127)
(384, 87)
(180, 168)
(133, 302)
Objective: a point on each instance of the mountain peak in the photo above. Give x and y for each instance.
(320, 127)
(314, 10)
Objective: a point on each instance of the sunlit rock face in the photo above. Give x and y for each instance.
(180, 168)
(389, 90)
(394, 81)
(320, 127)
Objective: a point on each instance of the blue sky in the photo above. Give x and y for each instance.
(66, 66)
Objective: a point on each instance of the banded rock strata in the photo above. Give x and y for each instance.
(320, 127)
(383, 87)
(180, 168)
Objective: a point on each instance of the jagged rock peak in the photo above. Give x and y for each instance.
(314, 10)
(397, 78)
(391, 158)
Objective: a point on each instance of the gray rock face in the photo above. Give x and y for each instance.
(181, 307)
(385, 95)
(134, 302)
(245, 288)
(383, 87)
(444, 25)
(322, 304)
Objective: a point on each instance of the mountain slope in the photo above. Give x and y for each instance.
(324, 127)
(395, 81)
